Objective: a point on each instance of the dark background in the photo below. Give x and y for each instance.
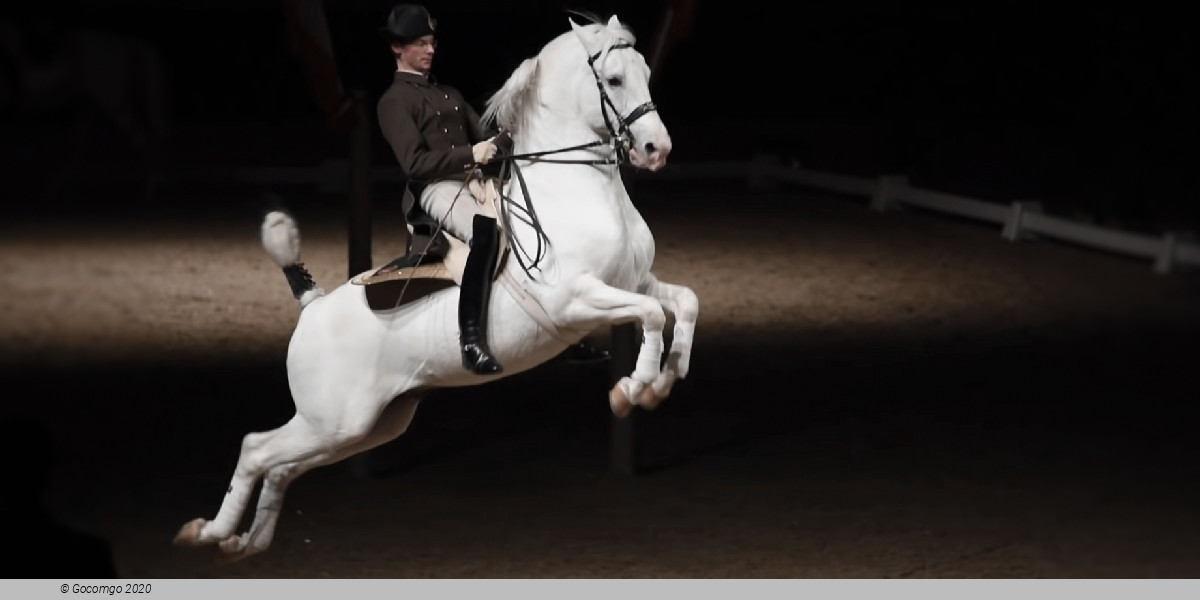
(1087, 109)
(1050, 437)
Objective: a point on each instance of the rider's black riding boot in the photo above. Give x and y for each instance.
(473, 299)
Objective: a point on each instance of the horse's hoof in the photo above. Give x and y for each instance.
(221, 557)
(656, 392)
(189, 534)
(231, 545)
(619, 402)
(649, 399)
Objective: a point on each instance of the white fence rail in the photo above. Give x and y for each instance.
(1018, 220)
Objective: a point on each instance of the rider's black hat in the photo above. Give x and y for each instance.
(407, 22)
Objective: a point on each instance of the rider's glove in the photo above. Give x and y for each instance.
(484, 151)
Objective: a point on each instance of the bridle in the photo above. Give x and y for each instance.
(620, 137)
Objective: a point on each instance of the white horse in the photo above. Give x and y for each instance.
(357, 373)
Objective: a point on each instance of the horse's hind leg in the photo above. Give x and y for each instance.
(198, 532)
(297, 440)
(392, 423)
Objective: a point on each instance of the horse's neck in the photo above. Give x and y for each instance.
(546, 131)
(584, 181)
(581, 207)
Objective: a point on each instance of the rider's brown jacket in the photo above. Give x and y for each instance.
(430, 128)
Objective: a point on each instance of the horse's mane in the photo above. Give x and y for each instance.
(509, 105)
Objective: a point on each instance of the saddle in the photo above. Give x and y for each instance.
(398, 283)
(419, 280)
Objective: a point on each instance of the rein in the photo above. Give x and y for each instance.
(536, 156)
(526, 214)
(620, 138)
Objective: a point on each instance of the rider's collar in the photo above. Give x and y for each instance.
(415, 77)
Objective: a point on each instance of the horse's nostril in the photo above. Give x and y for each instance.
(649, 148)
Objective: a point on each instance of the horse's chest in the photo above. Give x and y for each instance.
(603, 237)
(631, 256)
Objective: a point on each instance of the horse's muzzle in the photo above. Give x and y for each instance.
(651, 155)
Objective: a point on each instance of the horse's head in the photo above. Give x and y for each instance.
(591, 73)
(614, 92)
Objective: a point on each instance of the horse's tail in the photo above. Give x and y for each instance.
(281, 239)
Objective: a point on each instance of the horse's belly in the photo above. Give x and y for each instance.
(414, 346)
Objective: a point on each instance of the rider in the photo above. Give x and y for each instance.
(440, 141)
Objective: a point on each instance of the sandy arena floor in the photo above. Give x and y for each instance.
(902, 395)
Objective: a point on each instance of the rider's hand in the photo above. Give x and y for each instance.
(484, 151)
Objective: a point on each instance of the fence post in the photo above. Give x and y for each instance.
(623, 449)
(883, 200)
(360, 189)
(1013, 224)
(1164, 263)
(359, 222)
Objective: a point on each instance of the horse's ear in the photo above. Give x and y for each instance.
(581, 34)
(613, 23)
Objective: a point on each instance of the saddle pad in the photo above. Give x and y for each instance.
(436, 270)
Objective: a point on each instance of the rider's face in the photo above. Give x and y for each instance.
(416, 55)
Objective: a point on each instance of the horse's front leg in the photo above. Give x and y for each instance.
(593, 301)
(683, 303)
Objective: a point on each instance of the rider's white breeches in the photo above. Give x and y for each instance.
(454, 206)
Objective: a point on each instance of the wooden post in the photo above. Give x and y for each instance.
(360, 189)
(623, 449)
(1164, 263)
(883, 200)
(359, 221)
(622, 431)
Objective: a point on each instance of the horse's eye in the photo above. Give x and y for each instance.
(614, 81)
